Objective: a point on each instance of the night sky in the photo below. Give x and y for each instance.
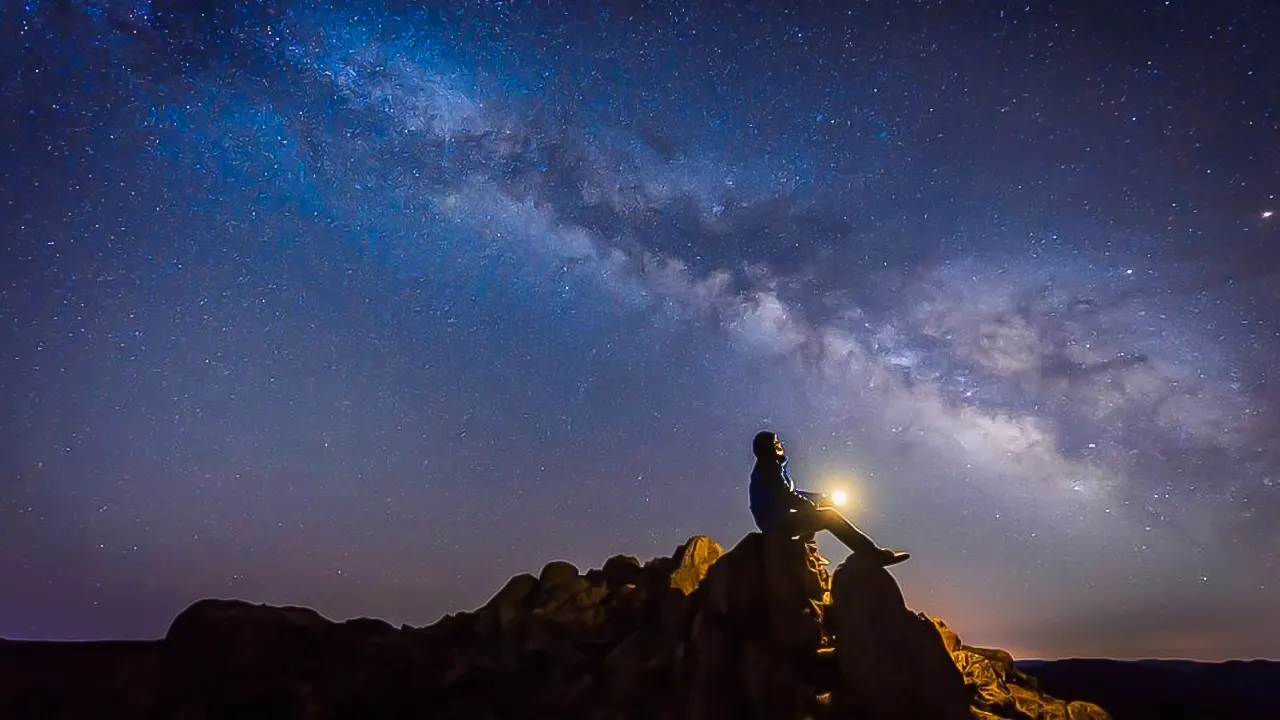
(368, 307)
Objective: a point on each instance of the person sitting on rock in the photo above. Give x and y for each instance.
(777, 506)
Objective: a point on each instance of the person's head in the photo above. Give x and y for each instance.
(767, 444)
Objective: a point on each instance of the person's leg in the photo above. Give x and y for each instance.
(846, 532)
(805, 524)
(857, 541)
(802, 524)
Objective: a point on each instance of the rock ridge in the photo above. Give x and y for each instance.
(760, 631)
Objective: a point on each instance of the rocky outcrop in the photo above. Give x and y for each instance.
(893, 663)
(761, 631)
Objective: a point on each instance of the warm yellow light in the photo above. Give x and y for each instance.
(839, 498)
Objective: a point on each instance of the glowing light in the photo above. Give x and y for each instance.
(1266, 214)
(839, 498)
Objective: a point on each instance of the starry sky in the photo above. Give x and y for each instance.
(369, 306)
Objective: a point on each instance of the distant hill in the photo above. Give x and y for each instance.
(1165, 689)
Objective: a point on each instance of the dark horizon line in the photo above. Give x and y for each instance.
(1149, 659)
(1028, 660)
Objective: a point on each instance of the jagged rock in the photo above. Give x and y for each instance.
(1080, 710)
(761, 631)
(758, 629)
(796, 592)
(1036, 706)
(992, 694)
(735, 585)
(949, 638)
(893, 662)
(694, 558)
(1002, 662)
(1031, 704)
(618, 571)
(509, 602)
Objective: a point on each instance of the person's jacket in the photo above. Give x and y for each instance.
(774, 494)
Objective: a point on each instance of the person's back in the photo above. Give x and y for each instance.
(772, 493)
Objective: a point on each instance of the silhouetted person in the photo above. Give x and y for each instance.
(778, 506)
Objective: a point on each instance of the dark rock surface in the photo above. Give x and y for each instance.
(762, 631)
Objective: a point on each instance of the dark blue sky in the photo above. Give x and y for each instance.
(369, 306)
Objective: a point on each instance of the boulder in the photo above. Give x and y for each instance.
(757, 631)
(949, 638)
(796, 592)
(556, 573)
(1080, 710)
(1002, 662)
(232, 657)
(693, 559)
(991, 692)
(510, 602)
(893, 662)
(616, 572)
(1030, 704)
(735, 586)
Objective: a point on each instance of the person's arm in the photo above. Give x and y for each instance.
(817, 498)
(801, 499)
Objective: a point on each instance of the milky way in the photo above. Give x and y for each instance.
(368, 307)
